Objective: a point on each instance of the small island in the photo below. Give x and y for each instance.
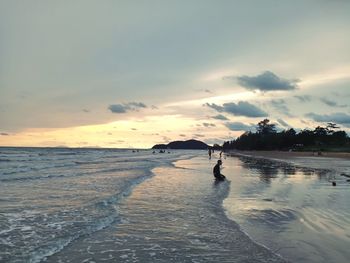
(183, 145)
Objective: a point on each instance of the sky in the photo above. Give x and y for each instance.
(130, 74)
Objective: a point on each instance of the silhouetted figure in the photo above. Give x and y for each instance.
(217, 173)
(209, 153)
(334, 183)
(220, 154)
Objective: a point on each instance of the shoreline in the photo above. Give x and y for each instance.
(285, 155)
(303, 159)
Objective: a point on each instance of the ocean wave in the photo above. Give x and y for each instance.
(42, 252)
(50, 176)
(5, 160)
(25, 169)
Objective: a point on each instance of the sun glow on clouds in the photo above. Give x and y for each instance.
(336, 74)
(119, 134)
(244, 95)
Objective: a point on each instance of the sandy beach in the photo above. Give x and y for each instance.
(285, 155)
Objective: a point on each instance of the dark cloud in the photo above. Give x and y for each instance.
(338, 117)
(332, 103)
(220, 117)
(280, 105)
(267, 81)
(123, 108)
(206, 124)
(117, 108)
(239, 126)
(85, 110)
(242, 108)
(304, 98)
(4, 134)
(137, 104)
(283, 123)
(182, 135)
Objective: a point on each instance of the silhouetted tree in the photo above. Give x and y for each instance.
(267, 138)
(264, 127)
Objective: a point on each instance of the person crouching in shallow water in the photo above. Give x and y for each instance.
(216, 171)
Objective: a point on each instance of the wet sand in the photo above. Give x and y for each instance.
(284, 155)
(286, 201)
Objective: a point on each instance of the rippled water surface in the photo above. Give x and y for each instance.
(104, 205)
(81, 205)
(51, 197)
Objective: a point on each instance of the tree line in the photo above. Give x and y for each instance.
(266, 137)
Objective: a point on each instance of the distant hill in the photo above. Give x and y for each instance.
(186, 145)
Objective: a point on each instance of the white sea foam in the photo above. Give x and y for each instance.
(51, 201)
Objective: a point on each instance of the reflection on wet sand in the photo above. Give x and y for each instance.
(292, 209)
(269, 169)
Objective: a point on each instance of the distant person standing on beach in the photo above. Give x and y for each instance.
(217, 173)
(209, 153)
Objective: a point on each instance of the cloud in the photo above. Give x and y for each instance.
(196, 135)
(280, 105)
(283, 123)
(304, 98)
(220, 117)
(267, 81)
(242, 108)
(117, 108)
(239, 126)
(125, 107)
(4, 134)
(206, 124)
(338, 117)
(331, 103)
(137, 104)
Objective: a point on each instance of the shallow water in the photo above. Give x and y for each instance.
(78, 205)
(100, 205)
(293, 210)
(175, 216)
(51, 197)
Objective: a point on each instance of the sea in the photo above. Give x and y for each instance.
(127, 205)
